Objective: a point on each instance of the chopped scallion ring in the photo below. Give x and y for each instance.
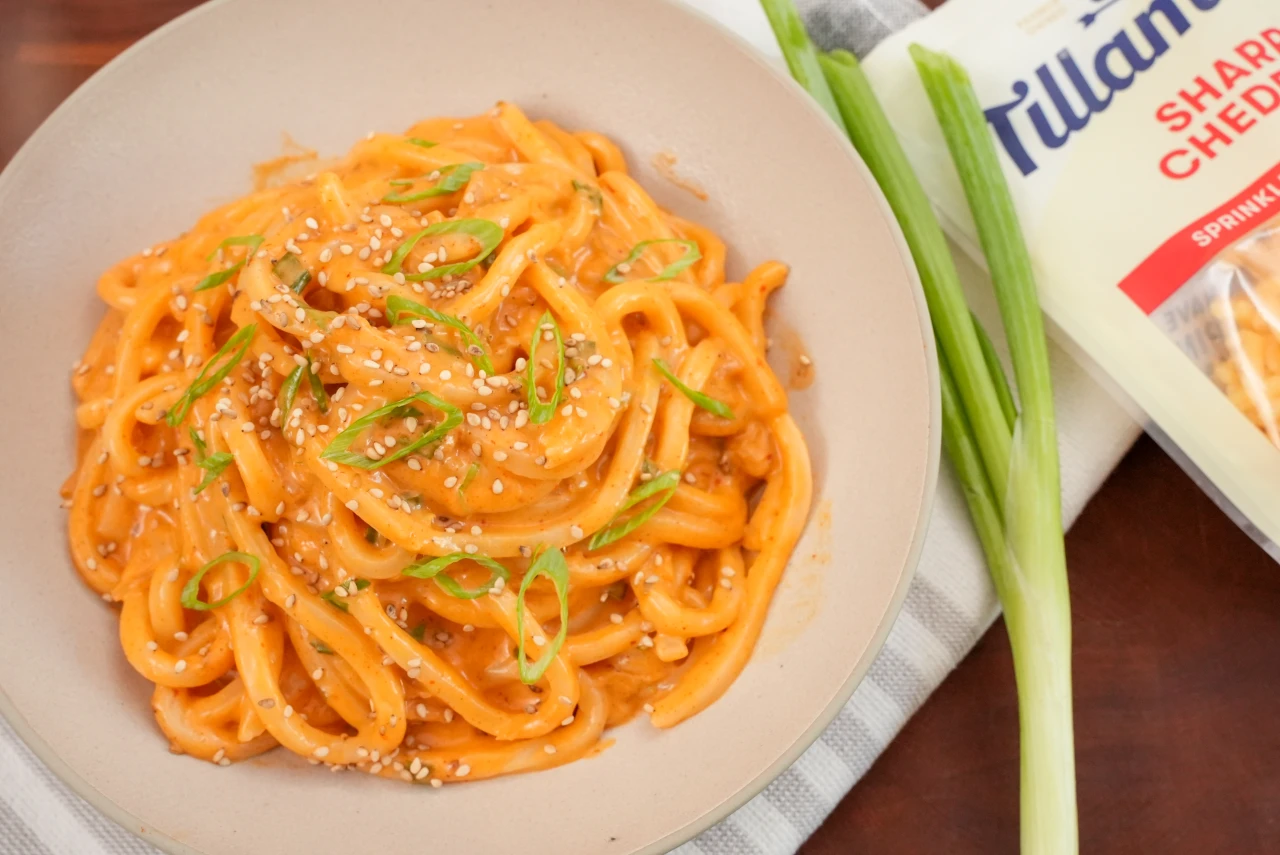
(684, 262)
(453, 177)
(334, 600)
(664, 486)
(292, 272)
(487, 233)
(337, 450)
(191, 590)
(434, 567)
(706, 402)
(398, 307)
(205, 381)
(549, 563)
(213, 280)
(540, 412)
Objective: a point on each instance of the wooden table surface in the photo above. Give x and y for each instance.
(1176, 616)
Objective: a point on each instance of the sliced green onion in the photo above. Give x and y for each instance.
(371, 535)
(706, 402)
(434, 567)
(419, 141)
(540, 413)
(663, 486)
(205, 381)
(337, 602)
(472, 471)
(398, 307)
(198, 443)
(453, 177)
(419, 632)
(337, 449)
(592, 193)
(691, 254)
(213, 465)
(317, 388)
(1030, 572)
(291, 271)
(321, 647)
(191, 591)
(213, 280)
(288, 391)
(549, 563)
(488, 233)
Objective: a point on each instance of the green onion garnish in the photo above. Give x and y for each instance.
(432, 569)
(337, 450)
(489, 234)
(337, 602)
(664, 486)
(472, 471)
(321, 647)
(708, 403)
(540, 413)
(191, 590)
(453, 177)
(317, 388)
(291, 271)
(398, 307)
(213, 464)
(288, 391)
(419, 632)
(421, 142)
(592, 193)
(549, 563)
(691, 254)
(205, 381)
(213, 280)
(371, 535)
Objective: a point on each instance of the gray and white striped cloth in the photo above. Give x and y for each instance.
(949, 606)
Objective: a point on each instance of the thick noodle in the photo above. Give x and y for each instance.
(312, 636)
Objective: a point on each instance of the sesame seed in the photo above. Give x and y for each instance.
(463, 771)
(322, 751)
(497, 485)
(180, 666)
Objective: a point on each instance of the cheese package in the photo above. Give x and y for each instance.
(1141, 141)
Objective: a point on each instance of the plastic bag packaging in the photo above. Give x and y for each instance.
(1141, 142)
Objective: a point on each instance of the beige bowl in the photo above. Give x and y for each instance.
(171, 128)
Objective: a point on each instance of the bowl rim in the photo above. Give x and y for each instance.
(101, 802)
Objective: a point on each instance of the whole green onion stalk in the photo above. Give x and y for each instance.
(1006, 461)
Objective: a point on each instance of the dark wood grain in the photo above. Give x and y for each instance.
(1176, 616)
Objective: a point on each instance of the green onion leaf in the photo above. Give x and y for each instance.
(419, 632)
(213, 280)
(213, 465)
(489, 234)
(664, 486)
(539, 412)
(371, 535)
(337, 449)
(419, 141)
(288, 391)
(191, 590)
(453, 177)
(338, 602)
(398, 307)
(691, 254)
(708, 403)
(549, 563)
(321, 647)
(291, 271)
(432, 569)
(592, 193)
(317, 388)
(198, 443)
(205, 381)
(472, 471)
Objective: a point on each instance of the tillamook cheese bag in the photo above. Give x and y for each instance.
(1141, 140)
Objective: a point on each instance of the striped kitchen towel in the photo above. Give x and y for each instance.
(949, 606)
